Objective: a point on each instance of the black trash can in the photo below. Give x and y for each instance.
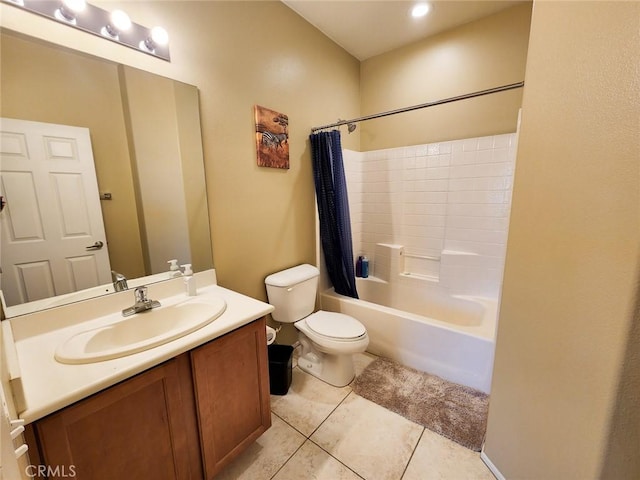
(280, 368)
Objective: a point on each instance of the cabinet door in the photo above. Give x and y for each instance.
(144, 427)
(231, 378)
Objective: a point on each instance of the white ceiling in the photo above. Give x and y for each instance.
(366, 28)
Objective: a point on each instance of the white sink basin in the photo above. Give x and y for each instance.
(142, 331)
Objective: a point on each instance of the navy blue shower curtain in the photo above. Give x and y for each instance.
(333, 210)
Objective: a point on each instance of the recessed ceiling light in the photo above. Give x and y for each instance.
(420, 10)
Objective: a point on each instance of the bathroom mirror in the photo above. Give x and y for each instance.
(147, 148)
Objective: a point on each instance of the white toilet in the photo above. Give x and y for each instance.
(328, 339)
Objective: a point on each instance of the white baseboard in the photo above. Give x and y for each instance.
(491, 466)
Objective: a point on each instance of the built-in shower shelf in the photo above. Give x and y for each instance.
(424, 257)
(458, 252)
(420, 276)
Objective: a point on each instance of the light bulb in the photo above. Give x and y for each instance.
(420, 10)
(120, 20)
(68, 9)
(75, 5)
(159, 36)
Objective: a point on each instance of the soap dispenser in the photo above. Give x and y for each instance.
(174, 269)
(189, 280)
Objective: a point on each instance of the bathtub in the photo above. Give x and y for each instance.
(417, 323)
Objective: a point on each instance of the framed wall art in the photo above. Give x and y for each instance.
(272, 138)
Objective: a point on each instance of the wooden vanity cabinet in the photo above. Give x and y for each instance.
(231, 380)
(135, 429)
(184, 419)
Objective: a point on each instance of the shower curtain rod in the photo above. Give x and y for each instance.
(480, 93)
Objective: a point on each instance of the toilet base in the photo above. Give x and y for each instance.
(334, 369)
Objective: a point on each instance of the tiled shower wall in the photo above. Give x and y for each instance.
(446, 203)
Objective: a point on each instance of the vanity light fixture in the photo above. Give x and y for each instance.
(115, 26)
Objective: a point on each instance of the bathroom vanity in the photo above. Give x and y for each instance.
(182, 410)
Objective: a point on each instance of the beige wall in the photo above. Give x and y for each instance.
(240, 54)
(150, 109)
(195, 187)
(261, 53)
(483, 54)
(565, 393)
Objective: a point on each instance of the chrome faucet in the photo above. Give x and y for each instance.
(142, 302)
(119, 281)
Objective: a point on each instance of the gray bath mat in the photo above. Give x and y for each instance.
(454, 411)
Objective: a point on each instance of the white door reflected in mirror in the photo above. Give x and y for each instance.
(53, 235)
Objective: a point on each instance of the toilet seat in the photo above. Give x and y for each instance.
(335, 326)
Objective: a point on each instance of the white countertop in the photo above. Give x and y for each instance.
(49, 385)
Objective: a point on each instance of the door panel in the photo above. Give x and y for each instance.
(83, 271)
(72, 204)
(24, 222)
(60, 148)
(35, 279)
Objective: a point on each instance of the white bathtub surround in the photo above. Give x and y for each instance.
(389, 261)
(419, 324)
(433, 220)
(473, 273)
(434, 200)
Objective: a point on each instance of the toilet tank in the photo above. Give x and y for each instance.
(293, 292)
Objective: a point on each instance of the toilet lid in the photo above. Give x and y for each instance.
(336, 325)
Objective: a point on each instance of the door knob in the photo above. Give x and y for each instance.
(96, 246)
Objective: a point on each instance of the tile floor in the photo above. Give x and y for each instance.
(321, 432)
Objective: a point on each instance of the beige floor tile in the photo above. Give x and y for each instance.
(438, 458)
(372, 441)
(308, 402)
(362, 361)
(313, 463)
(266, 455)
